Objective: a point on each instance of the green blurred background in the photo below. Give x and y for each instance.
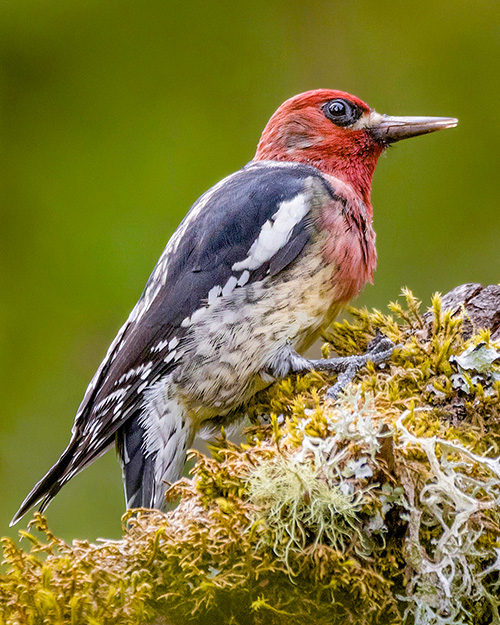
(116, 116)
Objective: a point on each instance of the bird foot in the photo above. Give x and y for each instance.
(379, 350)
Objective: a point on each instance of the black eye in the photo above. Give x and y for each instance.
(342, 112)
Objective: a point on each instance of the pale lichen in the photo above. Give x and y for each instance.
(301, 507)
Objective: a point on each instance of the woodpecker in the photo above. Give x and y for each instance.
(260, 264)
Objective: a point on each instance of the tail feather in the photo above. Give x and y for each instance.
(73, 460)
(152, 446)
(47, 488)
(137, 468)
(150, 464)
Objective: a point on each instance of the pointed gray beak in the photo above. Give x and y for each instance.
(391, 129)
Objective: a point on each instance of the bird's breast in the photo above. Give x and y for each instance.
(237, 335)
(349, 244)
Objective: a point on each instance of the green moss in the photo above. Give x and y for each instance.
(380, 507)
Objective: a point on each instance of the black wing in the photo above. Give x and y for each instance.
(216, 236)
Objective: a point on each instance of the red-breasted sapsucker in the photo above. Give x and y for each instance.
(262, 261)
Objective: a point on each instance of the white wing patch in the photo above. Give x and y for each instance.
(267, 244)
(159, 275)
(276, 232)
(230, 285)
(274, 235)
(173, 343)
(214, 293)
(243, 279)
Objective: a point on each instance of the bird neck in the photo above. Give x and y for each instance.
(353, 164)
(355, 173)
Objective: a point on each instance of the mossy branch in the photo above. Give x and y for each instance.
(380, 507)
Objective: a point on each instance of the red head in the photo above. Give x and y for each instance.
(337, 133)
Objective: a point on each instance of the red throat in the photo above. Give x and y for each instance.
(300, 132)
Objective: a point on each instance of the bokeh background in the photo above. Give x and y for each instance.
(117, 115)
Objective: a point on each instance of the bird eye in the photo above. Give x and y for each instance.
(337, 108)
(342, 112)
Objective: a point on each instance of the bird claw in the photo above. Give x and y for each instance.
(378, 351)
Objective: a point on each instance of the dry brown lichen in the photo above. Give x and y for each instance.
(381, 507)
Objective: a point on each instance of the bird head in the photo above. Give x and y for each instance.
(339, 134)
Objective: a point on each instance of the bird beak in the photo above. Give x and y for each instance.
(391, 129)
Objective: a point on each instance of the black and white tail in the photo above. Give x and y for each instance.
(152, 452)
(69, 464)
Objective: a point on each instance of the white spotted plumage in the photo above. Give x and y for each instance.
(197, 343)
(111, 398)
(159, 347)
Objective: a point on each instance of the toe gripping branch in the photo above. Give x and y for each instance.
(379, 350)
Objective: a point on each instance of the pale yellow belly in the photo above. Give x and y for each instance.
(236, 337)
